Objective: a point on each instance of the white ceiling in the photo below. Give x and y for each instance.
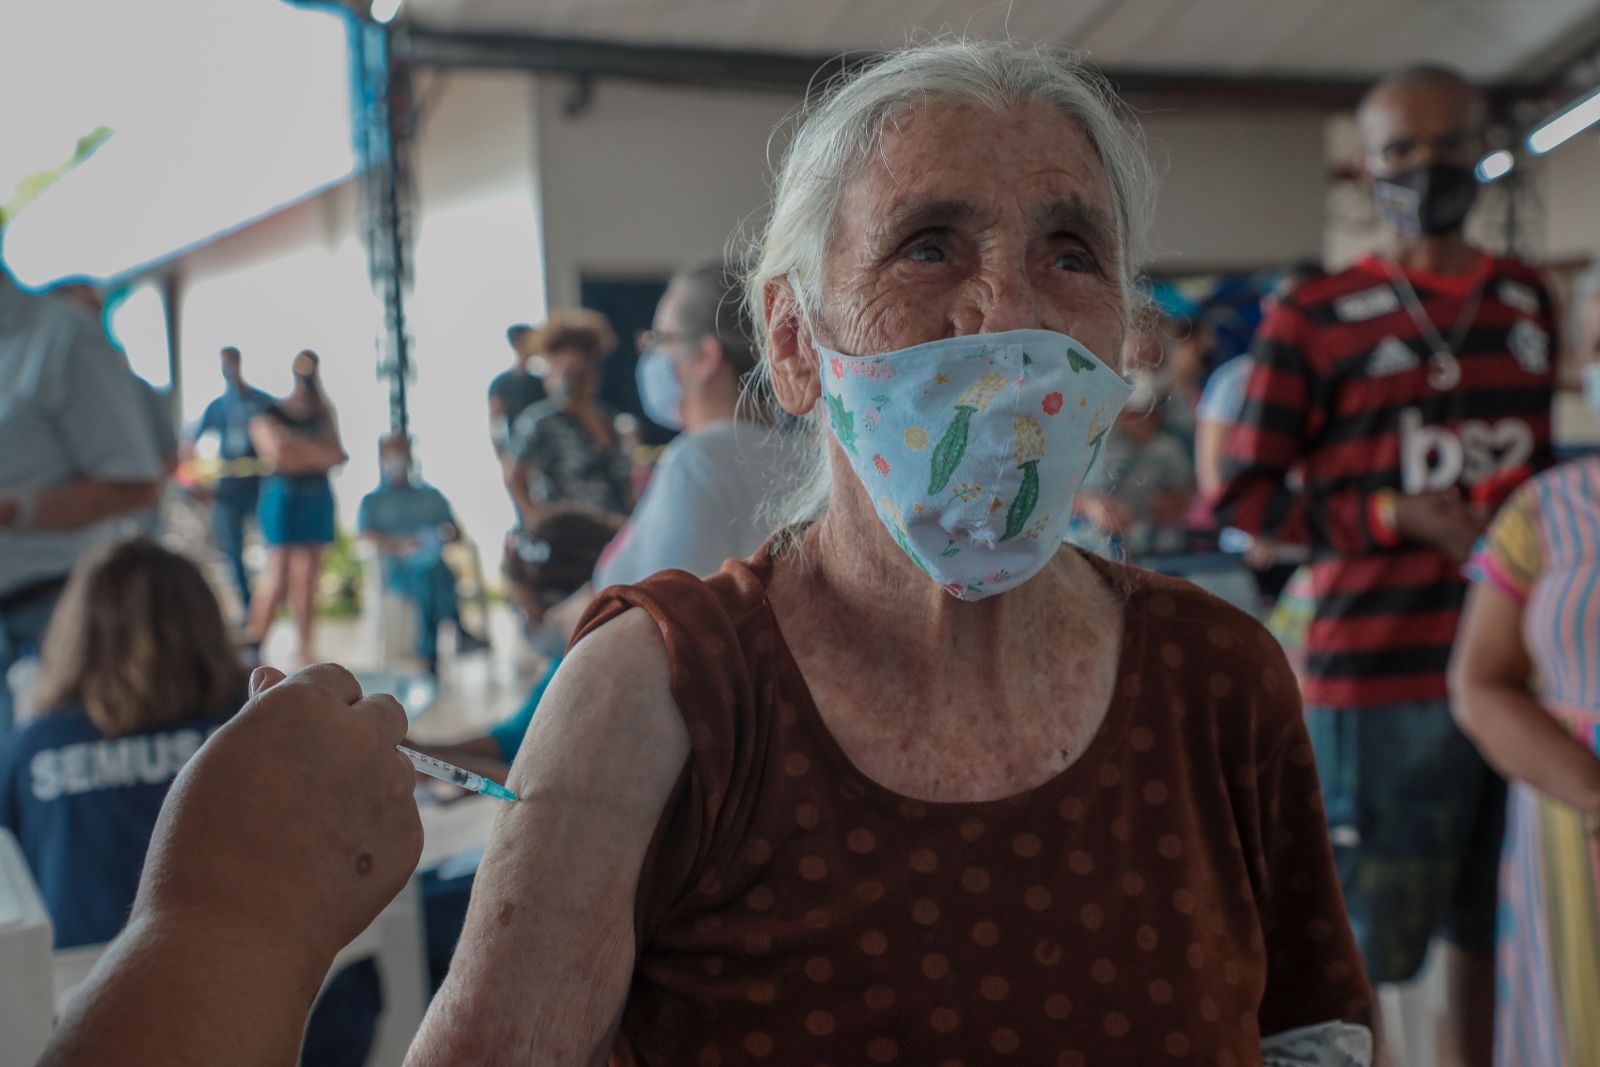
(1489, 40)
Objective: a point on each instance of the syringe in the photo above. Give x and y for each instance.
(449, 772)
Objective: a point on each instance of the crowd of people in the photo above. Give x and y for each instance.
(862, 733)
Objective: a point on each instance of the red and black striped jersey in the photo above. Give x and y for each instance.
(1346, 390)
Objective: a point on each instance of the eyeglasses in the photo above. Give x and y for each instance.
(648, 339)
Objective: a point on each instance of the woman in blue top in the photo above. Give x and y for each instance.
(299, 438)
(136, 673)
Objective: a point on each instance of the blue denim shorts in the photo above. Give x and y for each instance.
(1416, 818)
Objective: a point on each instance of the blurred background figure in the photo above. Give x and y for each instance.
(1222, 400)
(1407, 391)
(565, 448)
(237, 492)
(1136, 496)
(1526, 682)
(77, 451)
(137, 672)
(87, 297)
(1220, 406)
(514, 391)
(703, 504)
(299, 437)
(1174, 355)
(410, 522)
(544, 566)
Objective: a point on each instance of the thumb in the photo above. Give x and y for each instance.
(264, 678)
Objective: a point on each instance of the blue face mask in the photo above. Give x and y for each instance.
(972, 448)
(660, 392)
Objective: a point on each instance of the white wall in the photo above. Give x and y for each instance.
(1238, 191)
(1569, 187)
(478, 270)
(647, 178)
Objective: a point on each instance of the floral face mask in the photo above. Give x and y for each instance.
(972, 448)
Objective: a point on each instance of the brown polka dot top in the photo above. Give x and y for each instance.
(1169, 898)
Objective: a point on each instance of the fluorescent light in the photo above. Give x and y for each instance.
(1571, 122)
(1496, 165)
(384, 11)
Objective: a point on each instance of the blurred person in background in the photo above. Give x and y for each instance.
(137, 672)
(299, 438)
(1525, 679)
(1222, 400)
(251, 860)
(410, 522)
(514, 391)
(703, 504)
(86, 295)
(77, 452)
(1408, 390)
(237, 493)
(1221, 404)
(1174, 354)
(544, 566)
(566, 448)
(1137, 495)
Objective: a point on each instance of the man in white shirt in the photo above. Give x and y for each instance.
(703, 505)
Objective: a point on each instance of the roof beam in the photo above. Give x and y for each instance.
(713, 68)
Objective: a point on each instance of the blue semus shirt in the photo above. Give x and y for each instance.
(83, 807)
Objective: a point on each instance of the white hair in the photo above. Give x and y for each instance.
(837, 132)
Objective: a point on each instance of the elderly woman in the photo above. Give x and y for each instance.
(916, 784)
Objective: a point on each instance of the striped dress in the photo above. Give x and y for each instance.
(1543, 551)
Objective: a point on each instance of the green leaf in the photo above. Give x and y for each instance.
(948, 452)
(844, 423)
(1026, 500)
(882, 400)
(1097, 442)
(1078, 363)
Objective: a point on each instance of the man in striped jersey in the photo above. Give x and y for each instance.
(1404, 393)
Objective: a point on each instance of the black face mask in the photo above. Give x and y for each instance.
(1428, 200)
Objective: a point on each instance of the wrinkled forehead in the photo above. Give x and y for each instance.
(955, 157)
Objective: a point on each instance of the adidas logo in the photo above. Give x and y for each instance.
(1392, 356)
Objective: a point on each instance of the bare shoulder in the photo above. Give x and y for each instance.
(608, 720)
(542, 970)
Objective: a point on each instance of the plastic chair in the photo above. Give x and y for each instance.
(391, 622)
(26, 1015)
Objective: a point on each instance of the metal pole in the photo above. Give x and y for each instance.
(383, 125)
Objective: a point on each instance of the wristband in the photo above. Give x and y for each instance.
(1381, 518)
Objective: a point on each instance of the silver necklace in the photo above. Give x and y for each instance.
(1444, 369)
